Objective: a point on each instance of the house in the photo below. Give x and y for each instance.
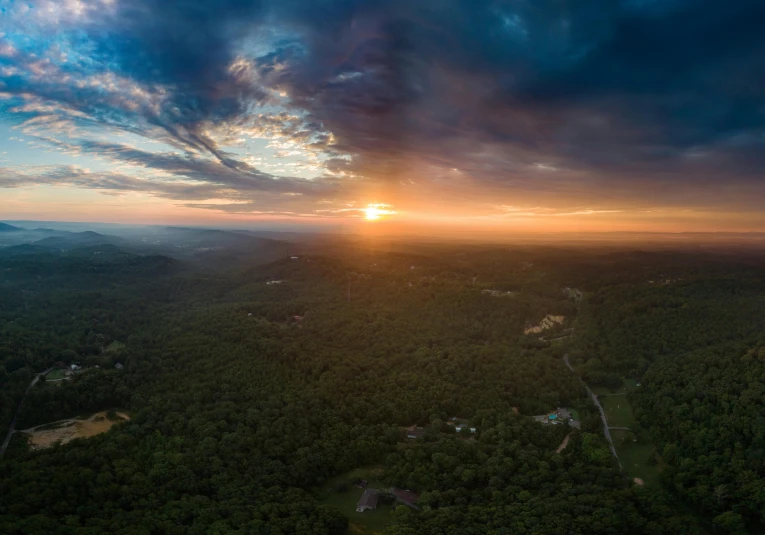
(75, 367)
(564, 414)
(362, 484)
(368, 500)
(460, 427)
(407, 497)
(560, 416)
(119, 366)
(274, 282)
(415, 432)
(293, 257)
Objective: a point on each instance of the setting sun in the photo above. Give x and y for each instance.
(374, 212)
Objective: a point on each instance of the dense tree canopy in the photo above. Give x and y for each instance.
(246, 397)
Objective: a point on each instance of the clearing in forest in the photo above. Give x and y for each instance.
(55, 375)
(63, 431)
(341, 493)
(548, 322)
(618, 411)
(636, 458)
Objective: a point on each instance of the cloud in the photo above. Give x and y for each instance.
(588, 107)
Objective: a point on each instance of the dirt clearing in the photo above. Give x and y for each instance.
(563, 444)
(46, 435)
(548, 322)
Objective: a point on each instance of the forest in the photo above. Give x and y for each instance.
(254, 379)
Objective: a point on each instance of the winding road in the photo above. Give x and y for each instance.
(18, 409)
(606, 432)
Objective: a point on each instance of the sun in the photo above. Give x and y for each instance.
(372, 213)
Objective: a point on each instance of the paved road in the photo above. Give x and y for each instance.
(606, 433)
(18, 409)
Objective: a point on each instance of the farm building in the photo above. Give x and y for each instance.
(368, 500)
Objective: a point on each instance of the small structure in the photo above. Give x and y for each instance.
(407, 497)
(297, 318)
(119, 366)
(415, 432)
(460, 427)
(293, 257)
(249, 315)
(362, 484)
(75, 367)
(368, 500)
(274, 282)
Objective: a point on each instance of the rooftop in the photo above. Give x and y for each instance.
(369, 498)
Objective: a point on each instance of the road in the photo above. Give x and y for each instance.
(606, 432)
(18, 409)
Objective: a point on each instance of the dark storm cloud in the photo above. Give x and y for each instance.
(597, 91)
(600, 85)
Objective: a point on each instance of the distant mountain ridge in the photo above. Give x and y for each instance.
(9, 228)
(79, 239)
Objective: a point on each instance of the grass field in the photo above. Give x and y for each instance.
(115, 347)
(628, 385)
(618, 411)
(55, 374)
(631, 384)
(634, 457)
(366, 523)
(601, 390)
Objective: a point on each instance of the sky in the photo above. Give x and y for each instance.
(514, 115)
